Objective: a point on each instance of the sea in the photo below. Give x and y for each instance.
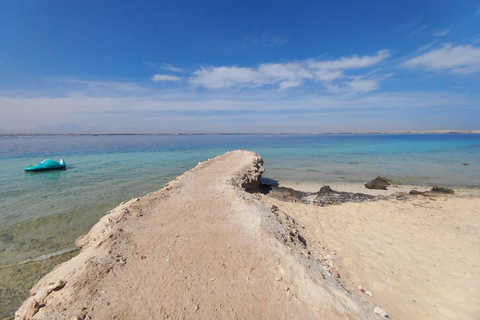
(41, 214)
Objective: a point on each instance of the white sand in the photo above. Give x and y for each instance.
(420, 258)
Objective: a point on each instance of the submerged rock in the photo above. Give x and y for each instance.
(380, 183)
(442, 190)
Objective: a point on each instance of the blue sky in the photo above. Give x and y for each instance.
(239, 66)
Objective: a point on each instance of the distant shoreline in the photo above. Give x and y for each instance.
(236, 133)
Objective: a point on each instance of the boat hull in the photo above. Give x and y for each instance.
(44, 169)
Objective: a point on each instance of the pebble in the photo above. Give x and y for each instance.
(369, 293)
(380, 311)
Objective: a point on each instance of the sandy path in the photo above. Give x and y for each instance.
(197, 249)
(420, 258)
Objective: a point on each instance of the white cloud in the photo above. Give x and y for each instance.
(226, 77)
(168, 66)
(356, 85)
(165, 77)
(459, 59)
(353, 62)
(162, 65)
(285, 75)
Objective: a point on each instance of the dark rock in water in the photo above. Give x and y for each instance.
(268, 181)
(415, 192)
(465, 164)
(442, 190)
(325, 189)
(378, 183)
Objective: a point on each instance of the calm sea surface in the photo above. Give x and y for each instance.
(42, 213)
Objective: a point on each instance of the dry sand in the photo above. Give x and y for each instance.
(203, 248)
(417, 258)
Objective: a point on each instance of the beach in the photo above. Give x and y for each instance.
(213, 244)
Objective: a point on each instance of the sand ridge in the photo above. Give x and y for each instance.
(200, 248)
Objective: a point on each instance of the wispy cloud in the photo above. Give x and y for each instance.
(267, 39)
(158, 111)
(165, 77)
(284, 75)
(456, 59)
(356, 85)
(168, 66)
(420, 30)
(412, 23)
(353, 62)
(442, 33)
(162, 65)
(426, 47)
(102, 86)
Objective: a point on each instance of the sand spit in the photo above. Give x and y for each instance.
(200, 248)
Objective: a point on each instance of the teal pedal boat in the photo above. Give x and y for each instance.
(47, 164)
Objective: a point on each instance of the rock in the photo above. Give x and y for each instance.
(325, 189)
(465, 164)
(335, 274)
(250, 181)
(415, 192)
(442, 190)
(284, 194)
(380, 183)
(368, 293)
(27, 310)
(380, 311)
(57, 285)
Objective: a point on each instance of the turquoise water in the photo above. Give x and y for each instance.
(42, 213)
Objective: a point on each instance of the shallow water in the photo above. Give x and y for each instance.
(41, 214)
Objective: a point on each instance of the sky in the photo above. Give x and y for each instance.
(239, 66)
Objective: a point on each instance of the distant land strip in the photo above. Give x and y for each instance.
(233, 133)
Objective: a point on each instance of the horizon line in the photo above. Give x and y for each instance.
(26, 134)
